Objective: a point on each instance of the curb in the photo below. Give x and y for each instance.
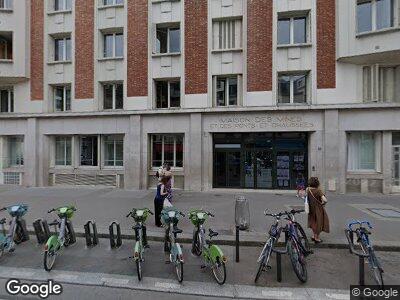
(230, 241)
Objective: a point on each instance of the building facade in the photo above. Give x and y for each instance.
(250, 94)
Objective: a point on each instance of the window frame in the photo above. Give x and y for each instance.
(64, 6)
(377, 137)
(374, 21)
(169, 28)
(103, 4)
(115, 139)
(98, 158)
(64, 138)
(19, 160)
(6, 44)
(7, 5)
(169, 81)
(375, 83)
(10, 100)
(291, 95)
(291, 17)
(114, 44)
(66, 53)
(223, 37)
(227, 79)
(65, 105)
(163, 135)
(114, 94)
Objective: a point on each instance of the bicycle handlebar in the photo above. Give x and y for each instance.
(4, 208)
(357, 222)
(284, 213)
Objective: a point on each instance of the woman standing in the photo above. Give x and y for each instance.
(318, 219)
(159, 200)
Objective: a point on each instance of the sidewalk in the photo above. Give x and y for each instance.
(104, 205)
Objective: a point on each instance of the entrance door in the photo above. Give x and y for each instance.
(227, 168)
(264, 167)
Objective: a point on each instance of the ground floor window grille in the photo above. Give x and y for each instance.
(113, 151)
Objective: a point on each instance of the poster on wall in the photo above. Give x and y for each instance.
(282, 171)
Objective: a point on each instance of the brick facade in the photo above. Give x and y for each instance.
(259, 45)
(196, 49)
(326, 44)
(84, 49)
(37, 37)
(137, 37)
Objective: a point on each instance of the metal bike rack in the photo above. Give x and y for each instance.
(42, 230)
(22, 224)
(91, 234)
(115, 240)
(361, 257)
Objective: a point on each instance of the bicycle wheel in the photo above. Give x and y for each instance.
(48, 260)
(139, 268)
(297, 260)
(219, 271)
(196, 245)
(179, 269)
(376, 270)
(265, 255)
(301, 234)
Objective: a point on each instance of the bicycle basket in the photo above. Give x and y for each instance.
(197, 217)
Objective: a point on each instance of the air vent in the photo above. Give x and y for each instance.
(13, 178)
(87, 179)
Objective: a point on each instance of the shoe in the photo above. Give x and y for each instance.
(202, 266)
(317, 241)
(147, 246)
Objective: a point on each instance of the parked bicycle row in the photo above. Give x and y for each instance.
(296, 243)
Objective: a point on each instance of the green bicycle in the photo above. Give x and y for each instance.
(140, 216)
(64, 238)
(212, 254)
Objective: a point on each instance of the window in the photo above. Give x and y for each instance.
(380, 83)
(227, 34)
(62, 49)
(113, 45)
(113, 151)
(6, 46)
(89, 150)
(374, 15)
(363, 151)
(60, 5)
(112, 2)
(5, 4)
(6, 100)
(226, 90)
(113, 96)
(16, 151)
(292, 88)
(62, 98)
(168, 39)
(168, 94)
(167, 148)
(292, 30)
(63, 156)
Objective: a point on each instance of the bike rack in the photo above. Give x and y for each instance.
(361, 257)
(42, 231)
(91, 234)
(115, 241)
(21, 222)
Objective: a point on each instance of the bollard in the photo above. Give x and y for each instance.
(361, 274)
(237, 243)
(91, 234)
(115, 241)
(41, 231)
(278, 267)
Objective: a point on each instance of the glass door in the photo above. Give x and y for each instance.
(249, 168)
(227, 168)
(264, 168)
(396, 166)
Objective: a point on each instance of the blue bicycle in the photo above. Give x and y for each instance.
(16, 233)
(362, 235)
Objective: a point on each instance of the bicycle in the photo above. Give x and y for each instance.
(362, 234)
(140, 216)
(170, 217)
(274, 235)
(17, 232)
(213, 256)
(64, 238)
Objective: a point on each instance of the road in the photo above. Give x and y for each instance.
(87, 273)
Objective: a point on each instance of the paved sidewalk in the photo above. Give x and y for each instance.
(105, 205)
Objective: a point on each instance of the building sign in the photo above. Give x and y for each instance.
(262, 122)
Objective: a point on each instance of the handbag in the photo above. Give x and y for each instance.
(167, 203)
(306, 205)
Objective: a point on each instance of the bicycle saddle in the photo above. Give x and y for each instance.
(212, 233)
(177, 230)
(3, 221)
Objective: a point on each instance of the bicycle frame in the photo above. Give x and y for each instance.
(8, 241)
(176, 250)
(291, 231)
(139, 249)
(55, 242)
